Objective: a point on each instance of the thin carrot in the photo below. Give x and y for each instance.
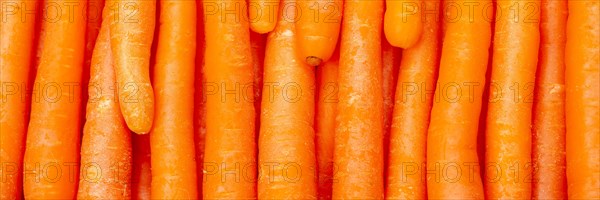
(172, 136)
(263, 15)
(141, 176)
(106, 145)
(17, 44)
(508, 128)
(418, 73)
(52, 150)
(286, 140)
(403, 25)
(583, 99)
(257, 45)
(453, 126)
(548, 149)
(391, 64)
(358, 154)
(94, 20)
(199, 100)
(318, 29)
(230, 159)
(132, 32)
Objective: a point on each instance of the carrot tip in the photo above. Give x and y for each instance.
(313, 61)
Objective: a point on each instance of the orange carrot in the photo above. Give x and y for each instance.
(172, 137)
(17, 47)
(230, 159)
(583, 100)
(94, 20)
(263, 15)
(106, 144)
(391, 64)
(199, 100)
(141, 176)
(318, 29)
(548, 149)
(52, 150)
(131, 31)
(403, 25)
(453, 126)
(257, 45)
(508, 129)
(327, 97)
(286, 140)
(358, 154)
(418, 72)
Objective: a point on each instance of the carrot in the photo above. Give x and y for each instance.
(286, 140)
(199, 100)
(52, 150)
(257, 45)
(141, 176)
(508, 129)
(548, 149)
(453, 126)
(403, 25)
(230, 159)
(391, 63)
(327, 97)
(106, 144)
(418, 72)
(131, 38)
(318, 29)
(17, 44)
(93, 20)
(358, 154)
(172, 137)
(263, 15)
(583, 99)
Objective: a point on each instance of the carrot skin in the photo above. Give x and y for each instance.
(318, 29)
(391, 64)
(258, 45)
(403, 25)
(263, 15)
(199, 98)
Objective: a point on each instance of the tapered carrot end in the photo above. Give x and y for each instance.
(313, 61)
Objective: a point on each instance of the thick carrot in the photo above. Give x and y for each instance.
(17, 44)
(172, 136)
(508, 127)
(141, 176)
(327, 98)
(263, 15)
(418, 72)
(583, 99)
(257, 45)
(318, 29)
(548, 149)
(106, 145)
(52, 150)
(230, 159)
(199, 100)
(403, 25)
(131, 31)
(358, 154)
(286, 141)
(453, 127)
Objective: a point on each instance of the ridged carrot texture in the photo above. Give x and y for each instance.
(286, 140)
(548, 149)
(230, 159)
(418, 73)
(50, 166)
(172, 137)
(583, 99)
(106, 145)
(317, 29)
(358, 154)
(17, 44)
(131, 35)
(327, 98)
(508, 127)
(141, 176)
(403, 25)
(453, 126)
(263, 15)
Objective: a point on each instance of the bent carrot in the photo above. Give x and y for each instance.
(286, 140)
(418, 72)
(131, 32)
(230, 159)
(263, 15)
(403, 25)
(358, 151)
(106, 145)
(17, 47)
(318, 29)
(548, 149)
(583, 99)
(453, 127)
(172, 136)
(141, 176)
(50, 166)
